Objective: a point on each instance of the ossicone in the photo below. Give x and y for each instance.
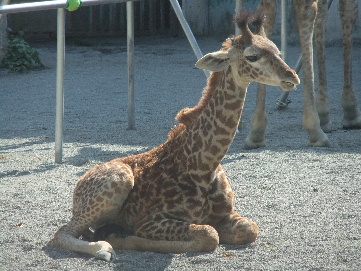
(244, 18)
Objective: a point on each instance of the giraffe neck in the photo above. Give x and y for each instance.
(214, 123)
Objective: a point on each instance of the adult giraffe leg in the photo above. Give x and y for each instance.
(322, 98)
(306, 11)
(256, 137)
(352, 115)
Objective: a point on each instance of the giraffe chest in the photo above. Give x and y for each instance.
(179, 197)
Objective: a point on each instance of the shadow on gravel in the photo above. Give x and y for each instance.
(142, 261)
(58, 253)
(125, 259)
(31, 142)
(88, 153)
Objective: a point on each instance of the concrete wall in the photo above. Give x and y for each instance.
(197, 15)
(206, 17)
(221, 13)
(3, 36)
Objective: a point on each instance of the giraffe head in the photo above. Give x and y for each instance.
(252, 57)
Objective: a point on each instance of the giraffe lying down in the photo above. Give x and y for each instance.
(176, 197)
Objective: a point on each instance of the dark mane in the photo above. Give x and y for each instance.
(188, 115)
(176, 130)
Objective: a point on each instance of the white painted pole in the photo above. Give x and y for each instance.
(130, 45)
(238, 8)
(187, 30)
(3, 3)
(283, 29)
(60, 86)
(55, 4)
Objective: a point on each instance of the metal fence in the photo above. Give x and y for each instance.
(60, 5)
(151, 17)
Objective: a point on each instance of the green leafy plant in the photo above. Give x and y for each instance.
(19, 56)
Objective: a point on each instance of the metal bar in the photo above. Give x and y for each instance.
(46, 5)
(238, 9)
(14, 8)
(3, 3)
(130, 45)
(187, 30)
(60, 5)
(283, 29)
(60, 86)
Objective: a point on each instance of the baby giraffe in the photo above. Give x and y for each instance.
(176, 198)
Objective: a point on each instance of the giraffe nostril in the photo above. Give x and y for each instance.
(289, 74)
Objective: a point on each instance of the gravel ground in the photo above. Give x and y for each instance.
(306, 200)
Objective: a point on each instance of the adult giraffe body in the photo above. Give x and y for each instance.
(311, 17)
(176, 197)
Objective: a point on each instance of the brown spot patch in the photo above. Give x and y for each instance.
(233, 105)
(171, 192)
(214, 150)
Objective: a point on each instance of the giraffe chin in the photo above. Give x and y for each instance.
(287, 86)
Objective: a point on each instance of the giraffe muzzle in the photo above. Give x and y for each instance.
(286, 85)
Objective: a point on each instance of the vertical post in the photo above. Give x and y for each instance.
(3, 3)
(238, 8)
(60, 86)
(130, 45)
(283, 29)
(3, 32)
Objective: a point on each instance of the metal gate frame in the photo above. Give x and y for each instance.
(61, 5)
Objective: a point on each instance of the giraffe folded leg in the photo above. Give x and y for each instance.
(169, 236)
(67, 237)
(237, 230)
(97, 199)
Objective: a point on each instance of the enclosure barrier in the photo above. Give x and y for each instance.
(60, 5)
(282, 102)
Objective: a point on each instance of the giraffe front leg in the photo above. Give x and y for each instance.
(67, 237)
(237, 230)
(306, 12)
(351, 112)
(322, 99)
(256, 137)
(168, 236)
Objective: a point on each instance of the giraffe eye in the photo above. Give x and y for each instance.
(252, 58)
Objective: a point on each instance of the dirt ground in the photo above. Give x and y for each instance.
(306, 200)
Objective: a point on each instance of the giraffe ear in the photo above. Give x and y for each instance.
(215, 62)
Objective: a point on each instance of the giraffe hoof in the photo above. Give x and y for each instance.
(320, 143)
(351, 124)
(249, 144)
(104, 251)
(327, 127)
(105, 255)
